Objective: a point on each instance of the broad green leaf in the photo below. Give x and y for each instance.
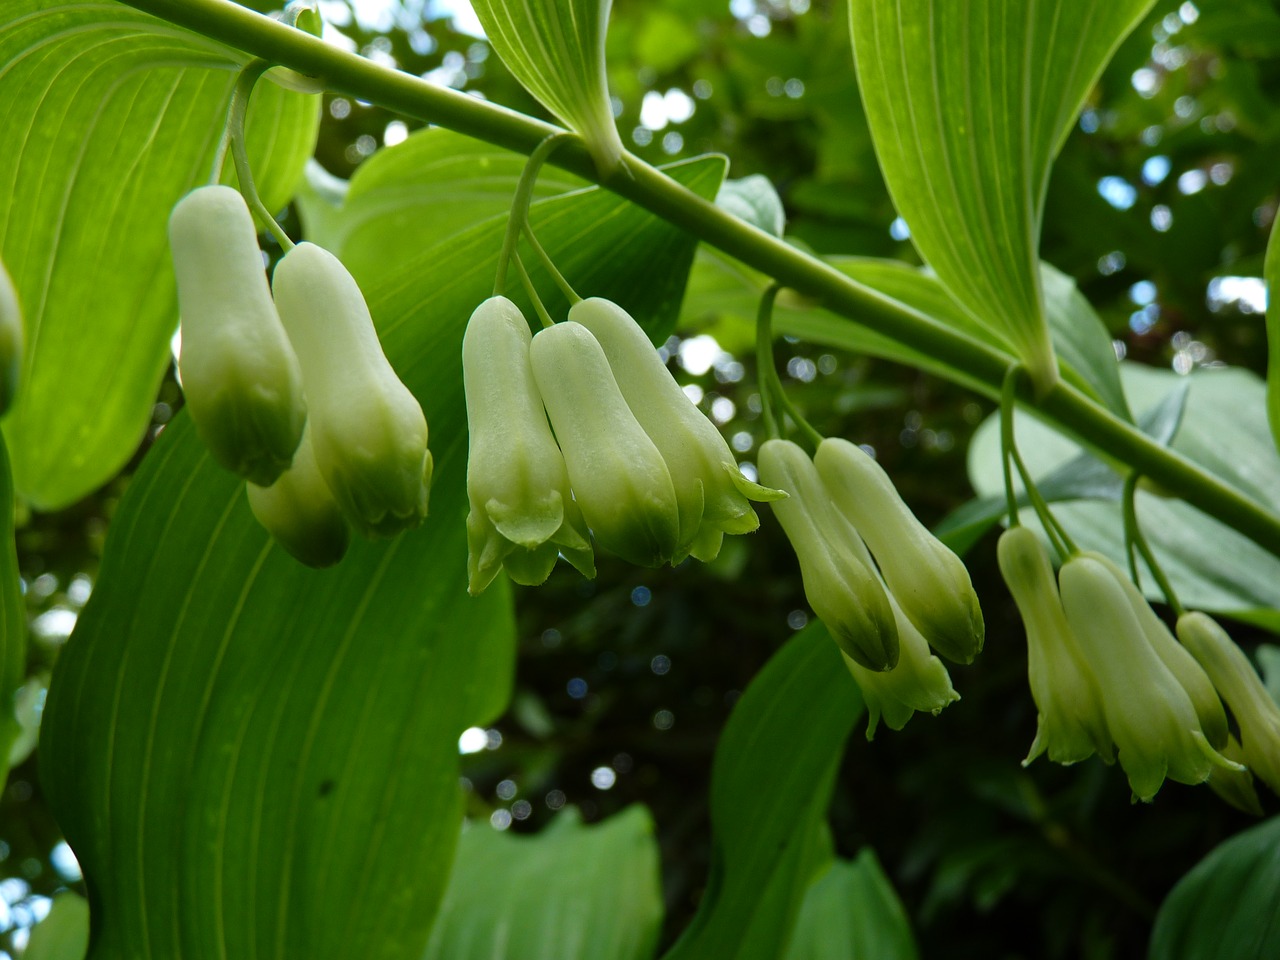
(852, 912)
(252, 758)
(725, 292)
(555, 48)
(1224, 429)
(578, 892)
(110, 116)
(1271, 272)
(1225, 908)
(968, 105)
(433, 184)
(13, 621)
(64, 933)
(769, 832)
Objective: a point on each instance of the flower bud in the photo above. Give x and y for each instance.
(919, 682)
(299, 511)
(1257, 715)
(238, 370)
(1213, 719)
(710, 489)
(840, 586)
(1071, 723)
(522, 514)
(369, 434)
(10, 341)
(927, 579)
(1235, 787)
(1149, 713)
(618, 476)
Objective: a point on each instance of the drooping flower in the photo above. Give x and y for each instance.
(239, 373)
(299, 511)
(1149, 714)
(1257, 715)
(1071, 724)
(928, 580)
(618, 477)
(713, 497)
(368, 431)
(522, 513)
(840, 586)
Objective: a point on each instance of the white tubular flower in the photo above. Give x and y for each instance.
(841, 588)
(928, 580)
(1257, 715)
(300, 513)
(1149, 713)
(11, 339)
(369, 434)
(239, 373)
(919, 682)
(712, 494)
(522, 514)
(1071, 723)
(618, 476)
(1213, 719)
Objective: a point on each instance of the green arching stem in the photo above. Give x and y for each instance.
(1063, 405)
(764, 357)
(1008, 398)
(519, 218)
(530, 289)
(1062, 542)
(235, 130)
(550, 266)
(1136, 539)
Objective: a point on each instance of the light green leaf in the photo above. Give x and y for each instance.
(64, 933)
(852, 912)
(555, 48)
(1225, 907)
(754, 200)
(1223, 429)
(252, 758)
(769, 835)
(13, 621)
(968, 104)
(580, 893)
(109, 117)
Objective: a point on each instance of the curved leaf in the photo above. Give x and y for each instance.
(64, 932)
(109, 116)
(792, 721)
(968, 103)
(255, 759)
(1228, 906)
(852, 912)
(584, 893)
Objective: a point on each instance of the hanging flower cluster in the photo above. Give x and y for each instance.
(580, 432)
(288, 386)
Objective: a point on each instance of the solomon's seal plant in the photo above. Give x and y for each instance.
(11, 340)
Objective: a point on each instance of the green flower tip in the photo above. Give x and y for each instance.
(238, 370)
(300, 513)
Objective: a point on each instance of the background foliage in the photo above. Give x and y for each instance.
(1158, 207)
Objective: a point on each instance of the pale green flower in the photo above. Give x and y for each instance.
(522, 513)
(1257, 715)
(300, 513)
(618, 477)
(840, 586)
(919, 681)
(711, 493)
(1071, 723)
(239, 374)
(369, 434)
(929, 581)
(11, 338)
(1149, 714)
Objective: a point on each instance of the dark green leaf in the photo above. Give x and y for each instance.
(110, 117)
(1228, 906)
(770, 787)
(13, 621)
(253, 758)
(584, 893)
